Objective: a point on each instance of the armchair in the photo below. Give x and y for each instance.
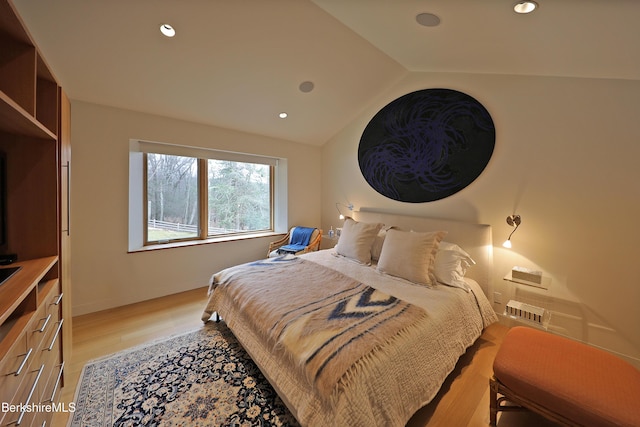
(299, 240)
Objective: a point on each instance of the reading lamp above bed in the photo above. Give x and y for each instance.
(514, 221)
(349, 206)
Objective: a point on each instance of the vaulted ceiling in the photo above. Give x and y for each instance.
(238, 64)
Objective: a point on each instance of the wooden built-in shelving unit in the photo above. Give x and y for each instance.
(34, 141)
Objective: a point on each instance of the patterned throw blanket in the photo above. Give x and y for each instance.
(320, 319)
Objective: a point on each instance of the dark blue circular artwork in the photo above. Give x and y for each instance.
(426, 145)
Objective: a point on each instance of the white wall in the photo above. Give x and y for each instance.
(566, 159)
(103, 274)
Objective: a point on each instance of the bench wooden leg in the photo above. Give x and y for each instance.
(493, 402)
(501, 399)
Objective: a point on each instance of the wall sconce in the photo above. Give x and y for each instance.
(514, 221)
(349, 206)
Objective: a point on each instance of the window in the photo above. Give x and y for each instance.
(193, 194)
(172, 198)
(239, 198)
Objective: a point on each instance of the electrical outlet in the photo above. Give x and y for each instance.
(497, 297)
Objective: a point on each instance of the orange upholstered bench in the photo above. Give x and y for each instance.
(568, 382)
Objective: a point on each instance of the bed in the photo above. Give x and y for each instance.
(366, 333)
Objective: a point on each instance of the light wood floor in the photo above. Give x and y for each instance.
(462, 401)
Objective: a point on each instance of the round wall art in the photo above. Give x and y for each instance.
(426, 145)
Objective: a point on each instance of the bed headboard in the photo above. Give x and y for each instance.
(473, 238)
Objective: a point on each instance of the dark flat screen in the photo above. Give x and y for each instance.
(5, 273)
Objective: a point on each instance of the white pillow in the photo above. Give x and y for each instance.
(356, 240)
(410, 255)
(451, 265)
(376, 248)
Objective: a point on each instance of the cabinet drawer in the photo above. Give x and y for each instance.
(45, 322)
(14, 367)
(49, 338)
(49, 356)
(39, 327)
(26, 395)
(54, 301)
(51, 342)
(50, 390)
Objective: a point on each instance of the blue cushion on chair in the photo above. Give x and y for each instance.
(300, 237)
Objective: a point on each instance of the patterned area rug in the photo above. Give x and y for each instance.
(203, 378)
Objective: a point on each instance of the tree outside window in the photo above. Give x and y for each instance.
(238, 197)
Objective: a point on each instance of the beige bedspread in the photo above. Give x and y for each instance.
(320, 319)
(383, 382)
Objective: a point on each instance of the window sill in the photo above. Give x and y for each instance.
(172, 245)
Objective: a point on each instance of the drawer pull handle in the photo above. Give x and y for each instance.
(24, 362)
(55, 388)
(44, 325)
(55, 337)
(58, 299)
(33, 389)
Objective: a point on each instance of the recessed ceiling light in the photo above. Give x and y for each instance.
(428, 19)
(525, 7)
(283, 115)
(306, 87)
(167, 30)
